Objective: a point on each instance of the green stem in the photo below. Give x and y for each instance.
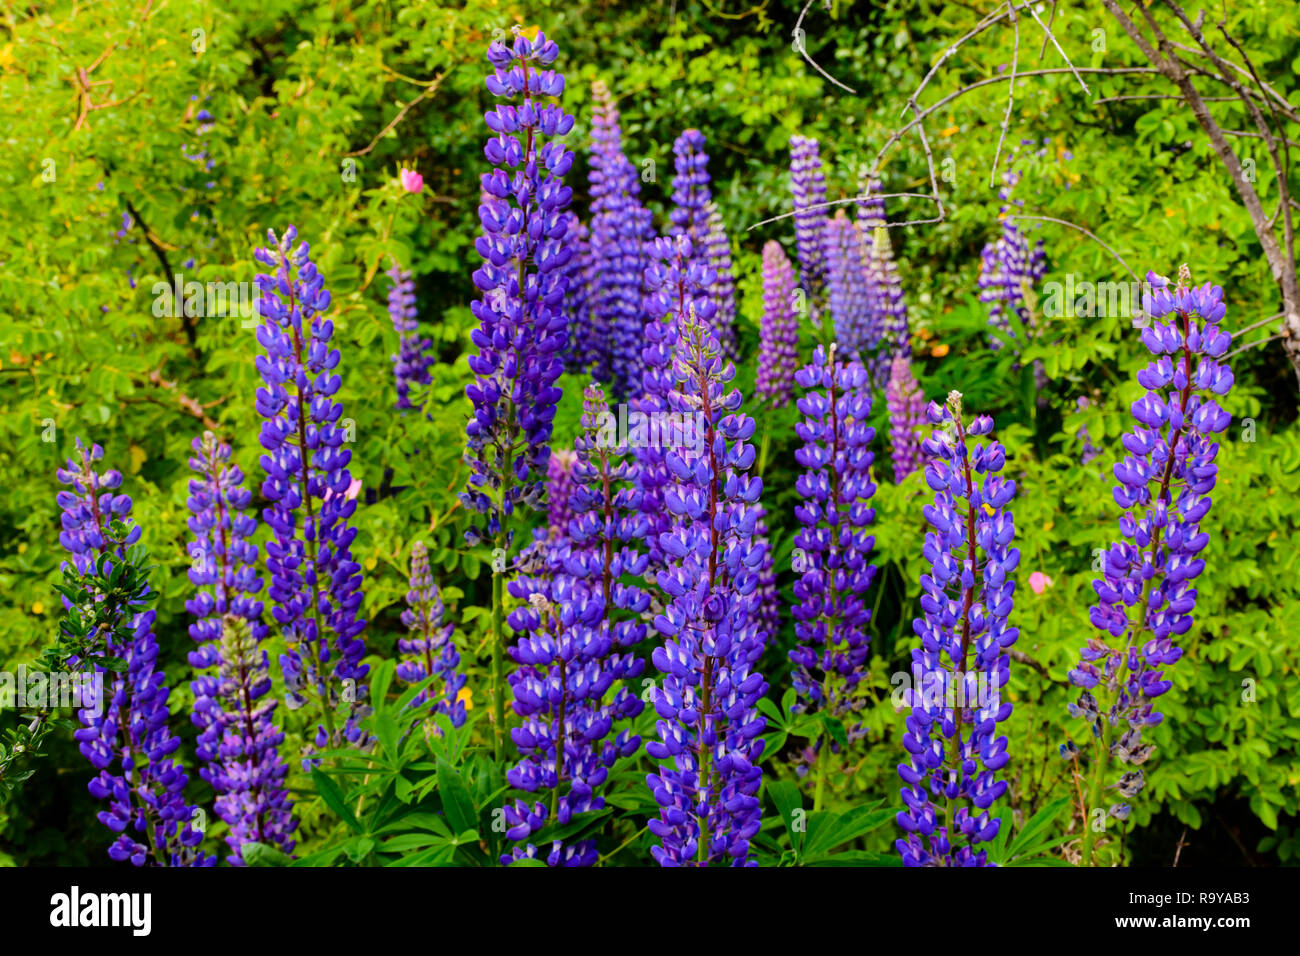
(498, 678)
(762, 452)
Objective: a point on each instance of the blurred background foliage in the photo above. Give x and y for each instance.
(314, 108)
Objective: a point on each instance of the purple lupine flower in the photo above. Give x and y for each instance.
(906, 406)
(808, 183)
(559, 489)
(767, 599)
(1008, 266)
(586, 351)
(126, 738)
(691, 194)
(833, 545)
(620, 229)
(858, 327)
(778, 347)
(428, 650)
(717, 247)
(709, 722)
(678, 281)
(1089, 451)
(315, 584)
(521, 334)
(1146, 597)
(411, 363)
(884, 288)
(582, 627)
(962, 665)
(239, 741)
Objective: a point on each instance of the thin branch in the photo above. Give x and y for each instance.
(1011, 96)
(844, 202)
(1078, 228)
(1051, 36)
(429, 91)
(1255, 325)
(1251, 345)
(799, 45)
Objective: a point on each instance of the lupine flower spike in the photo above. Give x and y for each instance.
(127, 739)
(959, 671)
(315, 584)
(1146, 598)
(521, 336)
(833, 546)
(581, 626)
(239, 741)
(428, 650)
(412, 361)
(779, 331)
(906, 417)
(709, 725)
(884, 288)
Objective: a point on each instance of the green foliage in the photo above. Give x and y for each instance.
(315, 108)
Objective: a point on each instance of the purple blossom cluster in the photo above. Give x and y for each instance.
(126, 739)
(906, 406)
(678, 283)
(521, 335)
(579, 627)
(858, 329)
(808, 184)
(833, 544)
(428, 650)
(1147, 595)
(559, 491)
(239, 740)
(958, 673)
(412, 361)
(1009, 266)
(707, 703)
(621, 227)
(315, 584)
(884, 288)
(717, 247)
(779, 330)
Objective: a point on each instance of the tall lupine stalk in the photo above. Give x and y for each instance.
(678, 282)
(586, 350)
(808, 184)
(1008, 266)
(884, 288)
(833, 545)
(906, 406)
(709, 723)
(723, 290)
(1146, 598)
(692, 197)
(581, 628)
(239, 740)
(315, 584)
(125, 737)
(412, 361)
(962, 665)
(620, 228)
(559, 491)
(428, 650)
(858, 327)
(521, 333)
(779, 329)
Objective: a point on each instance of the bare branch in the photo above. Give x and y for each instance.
(1011, 96)
(1078, 228)
(798, 35)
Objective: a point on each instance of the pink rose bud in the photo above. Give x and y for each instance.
(412, 181)
(1039, 582)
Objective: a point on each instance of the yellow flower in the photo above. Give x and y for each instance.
(467, 696)
(38, 607)
(939, 351)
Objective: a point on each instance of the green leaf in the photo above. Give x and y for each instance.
(456, 800)
(785, 797)
(333, 797)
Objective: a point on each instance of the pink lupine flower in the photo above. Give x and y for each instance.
(1039, 582)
